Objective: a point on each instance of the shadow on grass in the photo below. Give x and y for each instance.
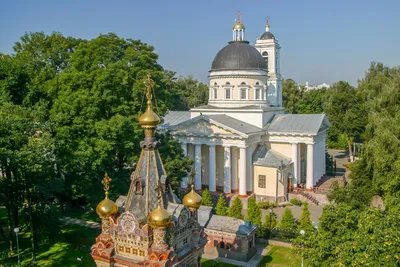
(74, 242)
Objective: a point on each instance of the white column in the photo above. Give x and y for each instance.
(211, 175)
(227, 169)
(310, 166)
(242, 174)
(296, 163)
(234, 167)
(316, 159)
(184, 148)
(249, 179)
(197, 166)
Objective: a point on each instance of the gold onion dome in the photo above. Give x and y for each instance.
(149, 118)
(106, 207)
(159, 217)
(192, 199)
(238, 26)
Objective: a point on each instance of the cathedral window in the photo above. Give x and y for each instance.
(257, 94)
(215, 93)
(261, 181)
(243, 93)
(227, 93)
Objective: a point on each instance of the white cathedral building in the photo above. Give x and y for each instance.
(243, 142)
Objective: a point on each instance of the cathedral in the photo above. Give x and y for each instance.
(242, 142)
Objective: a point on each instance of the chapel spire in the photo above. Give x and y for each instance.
(238, 28)
(149, 120)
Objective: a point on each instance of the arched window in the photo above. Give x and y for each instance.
(265, 56)
(215, 93)
(243, 83)
(215, 84)
(228, 83)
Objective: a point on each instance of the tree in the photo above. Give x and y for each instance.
(270, 220)
(221, 208)
(287, 221)
(311, 102)
(207, 198)
(191, 93)
(292, 94)
(235, 210)
(345, 111)
(305, 221)
(253, 211)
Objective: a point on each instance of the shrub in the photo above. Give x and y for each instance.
(296, 202)
(267, 204)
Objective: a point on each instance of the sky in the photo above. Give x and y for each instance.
(321, 40)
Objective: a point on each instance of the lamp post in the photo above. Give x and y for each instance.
(270, 222)
(302, 232)
(16, 231)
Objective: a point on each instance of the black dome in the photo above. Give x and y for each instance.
(238, 55)
(267, 35)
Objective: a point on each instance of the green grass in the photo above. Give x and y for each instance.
(75, 242)
(211, 263)
(280, 257)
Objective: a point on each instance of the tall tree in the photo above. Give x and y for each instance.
(345, 112)
(235, 210)
(221, 208)
(292, 94)
(270, 220)
(287, 221)
(305, 221)
(253, 211)
(191, 93)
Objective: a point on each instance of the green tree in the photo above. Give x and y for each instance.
(221, 208)
(345, 111)
(292, 94)
(253, 211)
(311, 102)
(191, 93)
(207, 198)
(235, 210)
(270, 220)
(287, 221)
(305, 221)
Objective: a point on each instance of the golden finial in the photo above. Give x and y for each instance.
(159, 217)
(106, 207)
(106, 182)
(192, 200)
(238, 21)
(149, 120)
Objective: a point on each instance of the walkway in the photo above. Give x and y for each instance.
(80, 222)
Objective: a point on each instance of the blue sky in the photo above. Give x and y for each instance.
(322, 41)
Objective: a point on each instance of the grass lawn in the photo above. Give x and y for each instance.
(211, 263)
(75, 242)
(280, 257)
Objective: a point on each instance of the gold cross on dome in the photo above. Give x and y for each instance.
(238, 17)
(266, 19)
(149, 85)
(106, 182)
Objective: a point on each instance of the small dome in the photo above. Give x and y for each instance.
(149, 118)
(267, 36)
(238, 55)
(106, 208)
(192, 200)
(159, 217)
(238, 26)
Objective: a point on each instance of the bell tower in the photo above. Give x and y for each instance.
(269, 48)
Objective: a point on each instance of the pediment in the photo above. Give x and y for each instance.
(202, 128)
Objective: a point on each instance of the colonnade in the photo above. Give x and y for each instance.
(235, 175)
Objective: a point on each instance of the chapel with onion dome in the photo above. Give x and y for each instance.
(149, 226)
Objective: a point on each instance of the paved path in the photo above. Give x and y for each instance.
(80, 222)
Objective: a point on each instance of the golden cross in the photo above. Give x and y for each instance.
(266, 18)
(106, 182)
(238, 18)
(149, 85)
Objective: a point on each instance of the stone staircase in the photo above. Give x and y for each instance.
(309, 198)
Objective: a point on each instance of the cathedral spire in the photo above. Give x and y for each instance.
(238, 28)
(267, 24)
(149, 120)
